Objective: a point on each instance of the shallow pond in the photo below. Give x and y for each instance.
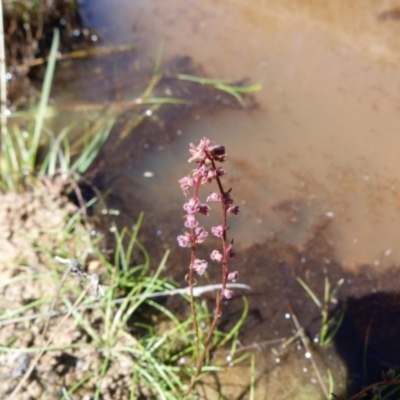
(314, 166)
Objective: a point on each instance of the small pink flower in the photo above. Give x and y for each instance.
(200, 171)
(191, 205)
(200, 266)
(233, 276)
(217, 231)
(209, 176)
(214, 197)
(198, 153)
(191, 221)
(201, 234)
(216, 256)
(186, 182)
(184, 240)
(228, 294)
(233, 210)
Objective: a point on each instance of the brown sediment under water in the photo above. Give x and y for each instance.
(314, 167)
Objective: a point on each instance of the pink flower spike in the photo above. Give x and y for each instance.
(217, 231)
(233, 276)
(214, 197)
(216, 256)
(228, 294)
(200, 266)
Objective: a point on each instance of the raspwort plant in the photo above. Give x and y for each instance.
(206, 156)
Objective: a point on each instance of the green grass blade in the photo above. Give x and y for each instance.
(47, 83)
(310, 293)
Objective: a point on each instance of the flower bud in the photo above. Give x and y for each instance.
(218, 153)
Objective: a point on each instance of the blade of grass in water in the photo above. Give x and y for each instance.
(48, 79)
(225, 85)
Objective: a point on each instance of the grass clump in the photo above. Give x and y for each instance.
(105, 321)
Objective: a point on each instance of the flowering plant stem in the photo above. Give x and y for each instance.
(207, 171)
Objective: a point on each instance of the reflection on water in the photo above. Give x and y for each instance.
(320, 150)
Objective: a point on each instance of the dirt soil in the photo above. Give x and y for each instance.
(32, 227)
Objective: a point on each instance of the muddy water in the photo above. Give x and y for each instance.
(320, 154)
(325, 139)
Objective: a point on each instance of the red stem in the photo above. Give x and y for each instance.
(218, 303)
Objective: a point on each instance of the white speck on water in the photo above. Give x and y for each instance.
(307, 355)
(305, 369)
(7, 112)
(330, 214)
(8, 76)
(148, 174)
(287, 316)
(388, 252)
(277, 360)
(113, 229)
(94, 38)
(149, 113)
(316, 340)
(229, 359)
